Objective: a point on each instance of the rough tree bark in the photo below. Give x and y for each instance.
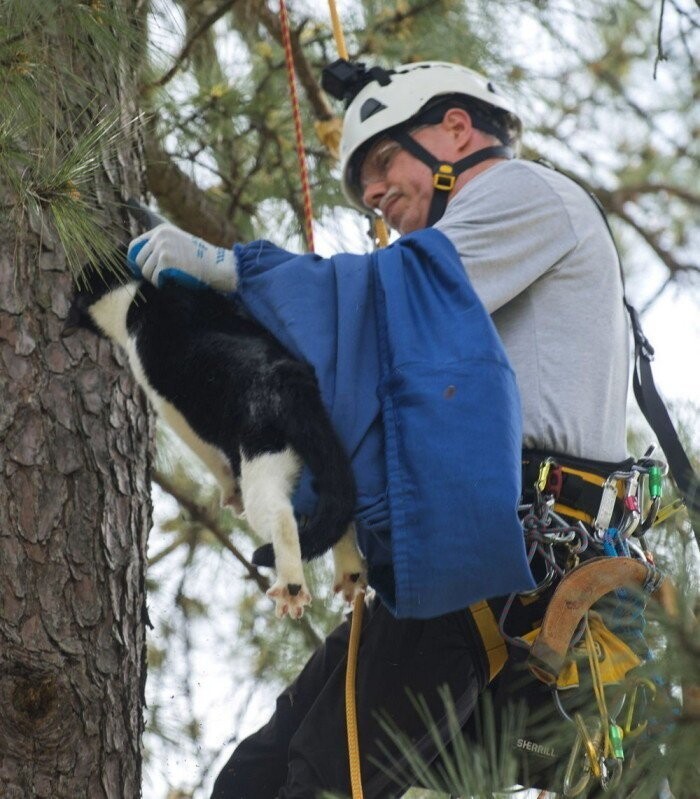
(74, 512)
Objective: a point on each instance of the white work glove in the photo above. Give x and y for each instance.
(166, 252)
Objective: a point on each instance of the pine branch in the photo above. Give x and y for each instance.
(614, 203)
(655, 296)
(181, 199)
(660, 54)
(392, 24)
(201, 29)
(204, 516)
(630, 192)
(173, 546)
(292, 185)
(674, 266)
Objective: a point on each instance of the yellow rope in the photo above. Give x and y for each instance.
(380, 234)
(338, 31)
(331, 138)
(350, 706)
(598, 688)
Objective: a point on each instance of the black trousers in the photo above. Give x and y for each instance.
(302, 750)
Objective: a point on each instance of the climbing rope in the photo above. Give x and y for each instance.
(338, 31)
(329, 133)
(379, 232)
(598, 688)
(381, 239)
(358, 606)
(350, 704)
(298, 132)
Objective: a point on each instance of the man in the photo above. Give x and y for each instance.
(431, 144)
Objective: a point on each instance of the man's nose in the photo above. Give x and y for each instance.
(373, 192)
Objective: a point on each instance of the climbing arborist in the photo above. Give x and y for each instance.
(427, 405)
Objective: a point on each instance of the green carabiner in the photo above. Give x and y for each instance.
(616, 736)
(655, 482)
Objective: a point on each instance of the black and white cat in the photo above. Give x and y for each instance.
(245, 406)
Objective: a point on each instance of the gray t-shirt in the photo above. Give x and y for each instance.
(542, 261)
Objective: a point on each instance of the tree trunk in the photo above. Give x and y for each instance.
(75, 439)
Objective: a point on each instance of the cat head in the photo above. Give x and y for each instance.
(96, 279)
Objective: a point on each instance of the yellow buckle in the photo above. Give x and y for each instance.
(444, 179)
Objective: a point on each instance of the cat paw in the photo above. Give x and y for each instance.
(349, 584)
(235, 502)
(289, 598)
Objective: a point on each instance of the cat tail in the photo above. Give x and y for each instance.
(312, 437)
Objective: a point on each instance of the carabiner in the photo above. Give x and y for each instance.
(627, 729)
(610, 773)
(589, 760)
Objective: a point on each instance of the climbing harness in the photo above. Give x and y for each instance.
(588, 533)
(575, 513)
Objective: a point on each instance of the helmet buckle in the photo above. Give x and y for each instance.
(444, 179)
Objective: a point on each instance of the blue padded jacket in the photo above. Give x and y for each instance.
(420, 391)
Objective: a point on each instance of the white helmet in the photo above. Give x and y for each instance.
(393, 97)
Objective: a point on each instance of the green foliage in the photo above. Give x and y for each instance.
(465, 767)
(60, 126)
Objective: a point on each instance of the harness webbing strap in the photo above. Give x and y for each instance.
(581, 489)
(445, 173)
(494, 645)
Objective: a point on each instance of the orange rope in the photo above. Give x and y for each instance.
(296, 111)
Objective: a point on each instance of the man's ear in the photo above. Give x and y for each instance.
(459, 124)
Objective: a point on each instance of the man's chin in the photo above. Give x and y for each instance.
(404, 229)
(398, 223)
(404, 223)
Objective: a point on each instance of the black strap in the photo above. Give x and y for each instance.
(574, 491)
(445, 173)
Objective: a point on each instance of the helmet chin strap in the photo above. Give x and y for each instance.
(445, 173)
